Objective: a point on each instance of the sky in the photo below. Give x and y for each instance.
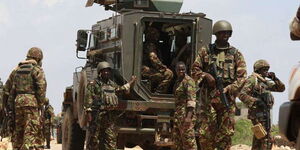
(260, 31)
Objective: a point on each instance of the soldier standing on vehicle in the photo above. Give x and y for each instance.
(216, 118)
(295, 26)
(185, 103)
(48, 122)
(26, 88)
(102, 123)
(153, 69)
(256, 94)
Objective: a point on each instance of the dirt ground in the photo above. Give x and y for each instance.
(5, 145)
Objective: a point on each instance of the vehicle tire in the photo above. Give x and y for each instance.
(80, 99)
(298, 141)
(73, 137)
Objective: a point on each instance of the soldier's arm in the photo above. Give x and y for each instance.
(197, 67)
(276, 86)
(241, 75)
(41, 84)
(156, 63)
(245, 94)
(8, 84)
(89, 96)
(191, 93)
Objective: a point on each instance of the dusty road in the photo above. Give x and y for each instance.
(5, 145)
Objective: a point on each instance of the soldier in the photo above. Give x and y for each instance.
(217, 119)
(256, 86)
(48, 122)
(295, 26)
(102, 92)
(153, 69)
(26, 88)
(185, 102)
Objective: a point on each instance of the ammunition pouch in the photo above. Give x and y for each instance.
(109, 96)
(259, 131)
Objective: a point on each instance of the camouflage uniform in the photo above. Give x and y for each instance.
(103, 135)
(153, 68)
(48, 123)
(295, 27)
(216, 122)
(185, 93)
(256, 85)
(28, 84)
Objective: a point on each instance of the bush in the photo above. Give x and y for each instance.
(243, 133)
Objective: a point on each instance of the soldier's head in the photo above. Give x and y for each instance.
(222, 30)
(36, 54)
(104, 70)
(180, 69)
(261, 67)
(152, 34)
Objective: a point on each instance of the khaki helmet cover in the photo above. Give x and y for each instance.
(221, 25)
(35, 53)
(103, 65)
(260, 64)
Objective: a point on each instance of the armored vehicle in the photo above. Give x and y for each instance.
(289, 120)
(120, 40)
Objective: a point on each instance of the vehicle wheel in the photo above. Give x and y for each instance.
(80, 99)
(73, 137)
(298, 141)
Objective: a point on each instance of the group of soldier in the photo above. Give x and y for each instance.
(26, 115)
(219, 72)
(218, 75)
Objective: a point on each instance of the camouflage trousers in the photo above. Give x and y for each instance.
(47, 132)
(265, 143)
(184, 137)
(160, 81)
(104, 136)
(216, 127)
(28, 129)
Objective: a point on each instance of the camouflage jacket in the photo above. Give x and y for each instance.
(230, 63)
(185, 92)
(95, 92)
(295, 27)
(256, 85)
(49, 115)
(28, 83)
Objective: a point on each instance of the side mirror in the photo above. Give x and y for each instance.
(82, 40)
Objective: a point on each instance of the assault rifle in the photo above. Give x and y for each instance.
(219, 80)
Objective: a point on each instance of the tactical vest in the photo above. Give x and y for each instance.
(23, 80)
(226, 66)
(106, 93)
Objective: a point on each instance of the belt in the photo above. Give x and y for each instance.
(24, 92)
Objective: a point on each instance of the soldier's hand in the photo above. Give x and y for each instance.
(210, 80)
(133, 79)
(272, 75)
(89, 116)
(298, 13)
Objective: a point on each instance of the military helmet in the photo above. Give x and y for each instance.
(103, 65)
(261, 64)
(221, 25)
(35, 53)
